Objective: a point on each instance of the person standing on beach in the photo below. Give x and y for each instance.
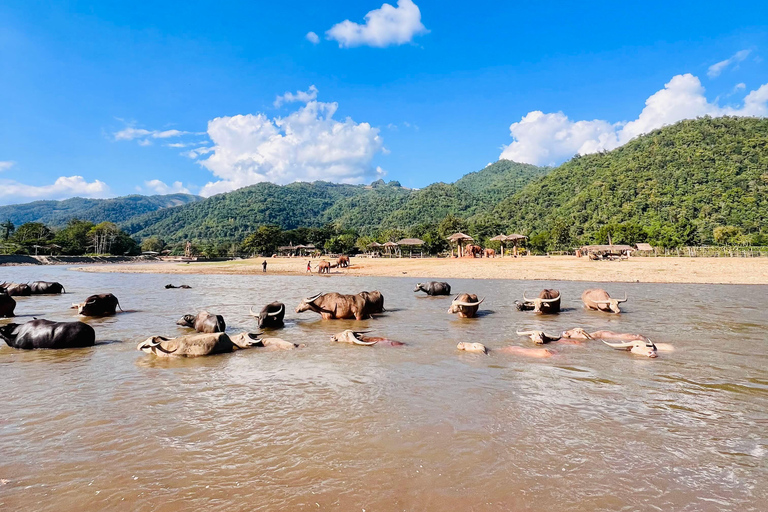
(264, 266)
(309, 266)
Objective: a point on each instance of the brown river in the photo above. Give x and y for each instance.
(422, 427)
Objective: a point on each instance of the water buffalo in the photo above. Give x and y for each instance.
(343, 261)
(538, 337)
(98, 305)
(465, 305)
(194, 345)
(47, 334)
(17, 290)
(580, 334)
(7, 304)
(324, 267)
(46, 288)
(271, 315)
(641, 347)
(374, 301)
(599, 300)
(265, 344)
(527, 352)
(359, 338)
(434, 288)
(478, 348)
(548, 302)
(335, 305)
(204, 322)
(183, 287)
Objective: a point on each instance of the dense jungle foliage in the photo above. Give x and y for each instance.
(76, 238)
(696, 182)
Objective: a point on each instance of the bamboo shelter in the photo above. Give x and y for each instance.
(459, 239)
(389, 246)
(374, 248)
(411, 243)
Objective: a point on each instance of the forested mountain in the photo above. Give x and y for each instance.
(695, 182)
(366, 209)
(673, 186)
(58, 213)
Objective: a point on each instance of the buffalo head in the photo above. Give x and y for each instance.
(641, 347)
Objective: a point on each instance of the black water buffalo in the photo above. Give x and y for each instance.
(7, 304)
(271, 315)
(46, 288)
(204, 322)
(183, 287)
(17, 289)
(374, 301)
(98, 305)
(434, 288)
(47, 334)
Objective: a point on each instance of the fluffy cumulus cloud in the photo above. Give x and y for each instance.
(717, 68)
(548, 139)
(65, 186)
(159, 187)
(383, 27)
(302, 96)
(307, 145)
(6, 164)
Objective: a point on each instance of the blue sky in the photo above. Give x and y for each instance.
(97, 98)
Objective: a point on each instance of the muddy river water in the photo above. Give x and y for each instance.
(420, 427)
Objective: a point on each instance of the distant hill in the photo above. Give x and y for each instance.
(680, 181)
(233, 215)
(58, 213)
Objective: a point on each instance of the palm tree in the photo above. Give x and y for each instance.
(8, 227)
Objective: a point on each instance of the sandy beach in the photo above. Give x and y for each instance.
(564, 268)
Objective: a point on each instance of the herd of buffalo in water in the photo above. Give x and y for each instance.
(210, 336)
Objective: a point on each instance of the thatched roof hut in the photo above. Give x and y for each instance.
(411, 243)
(459, 239)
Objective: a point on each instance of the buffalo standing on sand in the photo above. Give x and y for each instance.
(204, 322)
(465, 305)
(598, 300)
(271, 315)
(98, 305)
(46, 288)
(7, 304)
(434, 288)
(335, 305)
(47, 334)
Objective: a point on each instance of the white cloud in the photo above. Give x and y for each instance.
(6, 164)
(301, 96)
(383, 27)
(306, 145)
(312, 37)
(548, 139)
(63, 187)
(159, 187)
(739, 87)
(131, 133)
(717, 68)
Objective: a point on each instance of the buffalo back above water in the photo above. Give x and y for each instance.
(99, 305)
(46, 288)
(7, 305)
(47, 334)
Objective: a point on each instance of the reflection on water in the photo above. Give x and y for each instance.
(423, 427)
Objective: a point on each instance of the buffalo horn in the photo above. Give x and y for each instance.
(551, 300)
(358, 341)
(469, 304)
(313, 298)
(623, 344)
(525, 333)
(252, 313)
(624, 299)
(282, 307)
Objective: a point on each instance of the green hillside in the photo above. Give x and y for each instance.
(367, 209)
(673, 186)
(58, 213)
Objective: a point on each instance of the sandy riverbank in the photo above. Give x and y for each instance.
(565, 268)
